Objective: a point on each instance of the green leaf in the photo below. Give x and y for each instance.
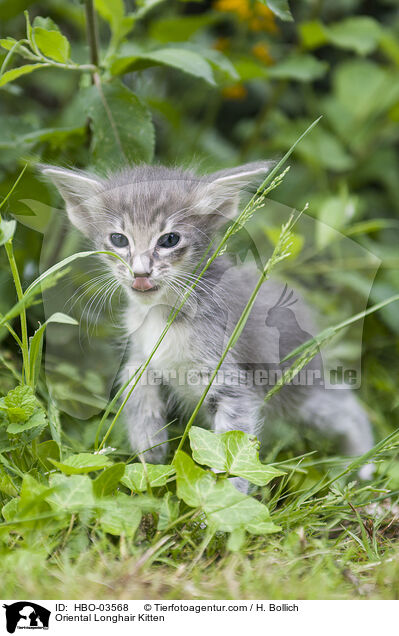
(144, 6)
(181, 28)
(36, 343)
(37, 419)
(302, 68)
(322, 147)
(208, 448)
(233, 452)
(313, 34)
(74, 493)
(136, 476)
(365, 89)
(32, 500)
(216, 59)
(359, 33)
(123, 132)
(20, 403)
(120, 515)
(82, 463)
(45, 23)
(242, 458)
(280, 8)
(48, 449)
(113, 11)
(334, 214)
(169, 511)
(236, 540)
(194, 484)
(56, 137)
(10, 76)
(52, 44)
(10, 509)
(7, 230)
(10, 43)
(227, 509)
(182, 59)
(108, 480)
(6, 483)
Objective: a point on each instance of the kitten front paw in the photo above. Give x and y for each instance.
(155, 455)
(151, 445)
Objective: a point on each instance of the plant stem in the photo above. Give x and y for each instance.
(91, 30)
(20, 293)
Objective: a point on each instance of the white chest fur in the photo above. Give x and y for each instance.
(146, 324)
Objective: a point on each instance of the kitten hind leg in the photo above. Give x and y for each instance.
(336, 413)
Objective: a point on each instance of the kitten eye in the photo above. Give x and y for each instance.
(168, 240)
(119, 240)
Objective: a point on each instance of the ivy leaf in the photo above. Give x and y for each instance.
(74, 493)
(81, 463)
(120, 515)
(227, 509)
(280, 8)
(233, 452)
(135, 477)
(168, 511)
(121, 124)
(242, 458)
(194, 484)
(108, 480)
(52, 44)
(208, 448)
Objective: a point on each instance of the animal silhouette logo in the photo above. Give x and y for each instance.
(291, 335)
(26, 615)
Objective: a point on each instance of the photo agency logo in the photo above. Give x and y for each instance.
(26, 615)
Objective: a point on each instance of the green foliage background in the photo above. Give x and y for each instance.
(215, 84)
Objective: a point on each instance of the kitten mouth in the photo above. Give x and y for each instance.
(143, 284)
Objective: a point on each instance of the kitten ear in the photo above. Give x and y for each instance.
(78, 190)
(225, 187)
(247, 174)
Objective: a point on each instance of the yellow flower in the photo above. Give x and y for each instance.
(261, 51)
(240, 7)
(257, 15)
(235, 91)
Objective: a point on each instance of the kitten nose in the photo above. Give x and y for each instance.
(141, 266)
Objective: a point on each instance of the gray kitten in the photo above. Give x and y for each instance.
(161, 221)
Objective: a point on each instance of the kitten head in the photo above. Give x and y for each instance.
(159, 220)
